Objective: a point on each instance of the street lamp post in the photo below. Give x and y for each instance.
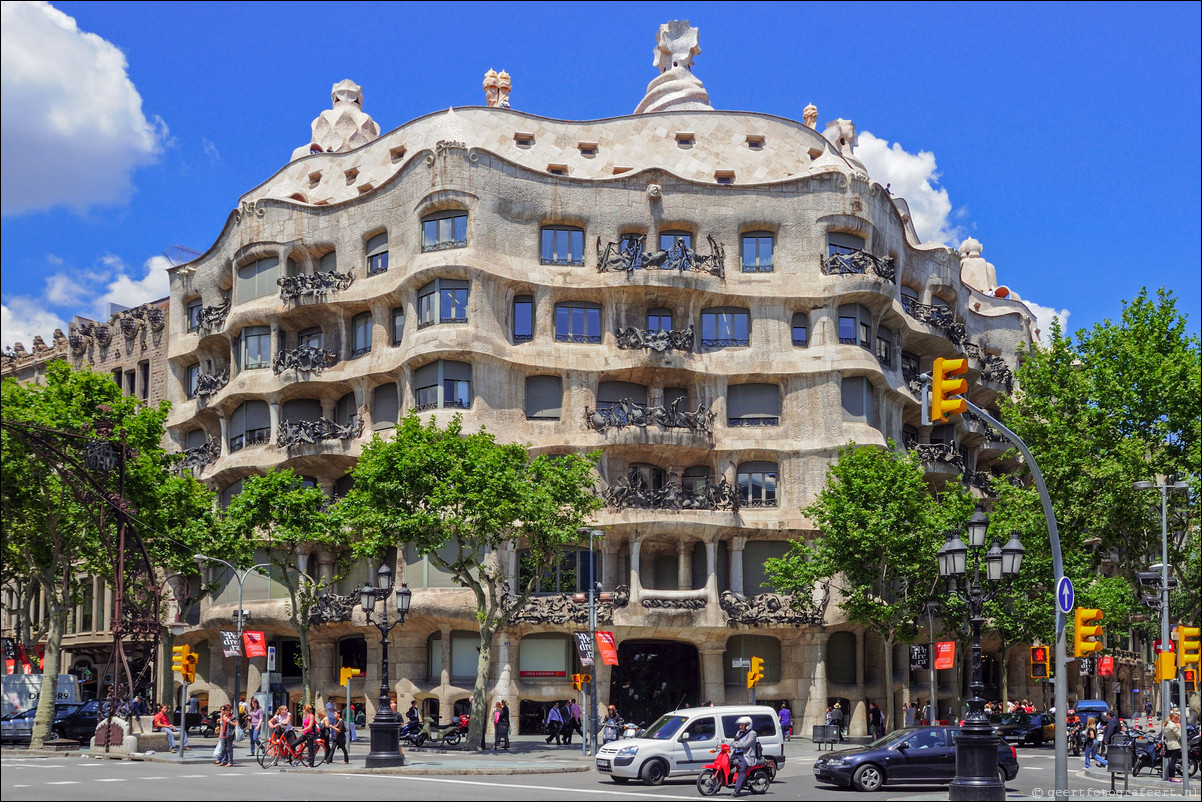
(976, 744)
(385, 744)
(200, 561)
(593, 585)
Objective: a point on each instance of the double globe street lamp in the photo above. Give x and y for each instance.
(976, 744)
(385, 745)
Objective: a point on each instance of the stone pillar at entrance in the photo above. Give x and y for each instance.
(711, 574)
(713, 678)
(636, 586)
(736, 565)
(814, 664)
(858, 721)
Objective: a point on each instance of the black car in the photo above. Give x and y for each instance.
(1025, 728)
(914, 755)
(77, 723)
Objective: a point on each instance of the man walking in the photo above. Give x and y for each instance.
(554, 724)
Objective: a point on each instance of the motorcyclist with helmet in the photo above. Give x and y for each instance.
(745, 744)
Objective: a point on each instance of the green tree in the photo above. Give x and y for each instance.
(281, 516)
(458, 497)
(879, 530)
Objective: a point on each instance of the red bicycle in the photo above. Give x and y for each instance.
(277, 748)
(723, 774)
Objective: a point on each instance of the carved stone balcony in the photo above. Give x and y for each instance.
(981, 480)
(993, 368)
(940, 317)
(911, 372)
(305, 359)
(312, 285)
(295, 433)
(661, 340)
(632, 255)
(627, 413)
(635, 493)
(673, 600)
(859, 263)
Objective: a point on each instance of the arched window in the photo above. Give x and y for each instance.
(257, 279)
(725, 326)
(855, 325)
(254, 348)
(755, 554)
(859, 400)
(385, 406)
(444, 230)
(884, 346)
(609, 394)
(544, 397)
(328, 263)
(753, 405)
(192, 380)
(841, 657)
(801, 329)
(659, 320)
(231, 490)
(545, 655)
(196, 438)
(301, 409)
(578, 322)
(523, 318)
(671, 239)
(443, 300)
(744, 647)
(648, 476)
(398, 324)
(757, 482)
(312, 338)
(361, 326)
(249, 425)
(377, 254)
(839, 243)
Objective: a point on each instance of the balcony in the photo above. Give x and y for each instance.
(312, 285)
(859, 263)
(208, 384)
(940, 317)
(559, 609)
(306, 359)
(295, 433)
(632, 255)
(936, 454)
(210, 319)
(636, 493)
(769, 609)
(626, 412)
(659, 340)
(195, 459)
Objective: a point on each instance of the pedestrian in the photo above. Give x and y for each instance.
(348, 716)
(576, 714)
(337, 738)
(308, 733)
(911, 714)
(786, 720)
(744, 748)
(565, 729)
(837, 719)
(1113, 724)
(1091, 742)
(412, 713)
(554, 723)
(331, 708)
(1171, 732)
(255, 719)
(503, 724)
(876, 726)
(162, 723)
(193, 703)
(926, 713)
(225, 735)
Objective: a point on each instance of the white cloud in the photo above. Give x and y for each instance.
(1043, 320)
(127, 291)
(914, 177)
(71, 120)
(210, 150)
(21, 319)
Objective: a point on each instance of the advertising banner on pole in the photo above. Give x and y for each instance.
(945, 655)
(255, 644)
(920, 657)
(584, 648)
(609, 648)
(229, 644)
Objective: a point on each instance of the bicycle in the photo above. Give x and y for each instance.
(270, 753)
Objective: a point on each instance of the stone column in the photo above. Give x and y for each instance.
(609, 565)
(858, 721)
(505, 689)
(636, 585)
(324, 672)
(277, 339)
(224, 422)
(713, 678)
(814, 705)
(325, 560)
(736, 564)
(684, 565)
(273, 411)
(711, 573)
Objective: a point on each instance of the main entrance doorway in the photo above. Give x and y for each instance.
(653, 677)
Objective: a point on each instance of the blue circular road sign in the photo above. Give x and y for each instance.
(1065, 595)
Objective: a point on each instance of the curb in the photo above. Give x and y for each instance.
(1134, 781)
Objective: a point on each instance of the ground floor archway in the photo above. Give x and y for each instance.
(653, 677)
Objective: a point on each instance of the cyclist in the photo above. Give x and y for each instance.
(308, 734)
(278, 728)
(745, 744)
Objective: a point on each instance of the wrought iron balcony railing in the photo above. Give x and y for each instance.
(293, 433)
(660, 340)
(627, 413)
(938, 453)
(635, 493)
(632, 255)
(210, 319)
(940, 317)
(208, 384)
(195, 459)
(859, 262)
(312, 285)
(305, 359)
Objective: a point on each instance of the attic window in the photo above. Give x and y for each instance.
(367, 187)
(620, 170)
(523, 140)
(396, 154)
(351, 175)
(815, 153)
(587, 149)
(725, 176)
(314, 179)
(557, 169)
(685, 139)
(755, 142)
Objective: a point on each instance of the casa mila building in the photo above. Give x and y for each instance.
(715, 301)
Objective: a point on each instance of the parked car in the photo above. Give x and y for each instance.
(1091, 707)
(18, 727)
(913, 755)
(79, 722)
(1025, 728)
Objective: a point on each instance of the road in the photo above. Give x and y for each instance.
(27, 777)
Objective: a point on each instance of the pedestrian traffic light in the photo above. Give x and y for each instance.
(1087, 634)
(179, 657)
(1191, 680)
(944, 390)
(189, 672)
(756, 673)
(1189, 647)
(1039, 662)
(1166, 666)
(577, 683)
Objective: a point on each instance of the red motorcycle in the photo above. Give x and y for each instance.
(722, 773)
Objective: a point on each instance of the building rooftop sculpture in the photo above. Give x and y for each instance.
(676, 88)
(343, 127)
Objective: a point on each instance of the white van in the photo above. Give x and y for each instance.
(21, 691)
(680, 743)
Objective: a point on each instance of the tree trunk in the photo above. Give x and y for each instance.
(301, 622)
(478, 725)
(44, 719)
(887, 640)
(1004, 661)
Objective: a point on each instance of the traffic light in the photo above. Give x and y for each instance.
(577, 684)
(179, 657)
(1166, 666)
(1191, 680)
(190, 667)
(1189, 647)
(1085, 630)
(1039, 662)
(944, 390)
(756, 673)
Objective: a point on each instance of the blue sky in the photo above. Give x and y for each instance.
(1063, 137)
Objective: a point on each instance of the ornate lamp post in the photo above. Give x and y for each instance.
(976, 745)
(385, 746)
(202, 562)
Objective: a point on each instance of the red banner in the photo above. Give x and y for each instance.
(945, 654)
(255, 643)
(608, 648)
(1105, 666)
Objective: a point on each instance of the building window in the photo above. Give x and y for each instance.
(352, 652)
(858, 400)
(545, 656)
(801, 329)
(659, 320)
(523, 318)
(578, 322)
(144, 379)
(611, 394)
(944, 434)
(249, 425)
(346, 409)
(443, 385)
(757, 252)
(673, 239)
(444, 230)
(647, 476)
(884, 346)
(753, 405)
(398, 324)
(445, 297)
(385, 407)
(544, 397)
(562, 245)
(257, 279)
(377, 254)
(255, 348)
(361, 325)
(311, 338)
(841, 658)
(231, 490)
(757, 484)
(724, 327)
(695, 479)
(193, 311)
(301, 409)
(192, 380)
(855, 325)
(328, 263)
(839, 243)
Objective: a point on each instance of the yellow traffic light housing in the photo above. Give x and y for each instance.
(756, 673)
(1189, 646)
(189, 671)
(1166, 666)
(944, 390)
(1087, 634)
(577, 683)
(179, 657)
(1039, 662)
